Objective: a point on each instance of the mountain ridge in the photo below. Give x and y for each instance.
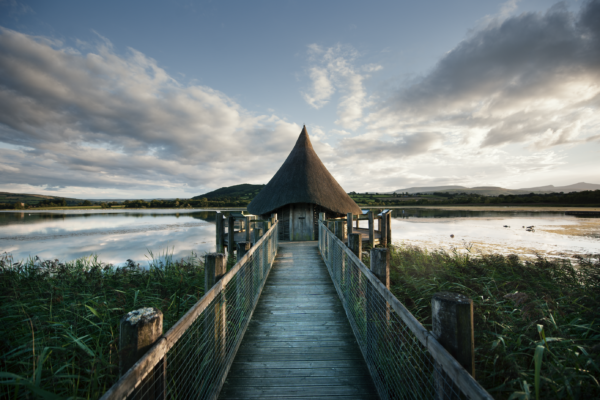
(496, 190)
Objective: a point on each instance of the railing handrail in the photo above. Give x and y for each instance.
(136, 374)
(455, 371)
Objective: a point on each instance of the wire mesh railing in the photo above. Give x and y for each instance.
(192, 360)
(404, 359)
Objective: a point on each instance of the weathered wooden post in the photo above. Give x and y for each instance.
(242, 249)
(258, 232)
(220, 226)
(340, 229)
(383, 242)
(389, 227)
(138, 331)
(349, 218)
(371, 229)
(378, 313)
(320, 234)
(380, 265)
(355, 244)
(248, 219)
(231, 236)
(353, 273)
(452, 326)
(215, 266)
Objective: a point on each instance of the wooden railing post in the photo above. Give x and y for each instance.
(242, 248)
(231, 236)
(377, 308)
(138, 331)
(452, 326)
(340, 229)
(248, 218)
(389, 227)
(220, 227)
(258, 232)
(215, 266)
(355, 244)
(349, 218)
(383, 242)
(371, 229)
(380, 265)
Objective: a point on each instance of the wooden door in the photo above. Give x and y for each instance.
(302, 222)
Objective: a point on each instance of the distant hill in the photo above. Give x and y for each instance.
(578, 187)
(33, 199)
(425, 189)
(495, 190)
(245, 190)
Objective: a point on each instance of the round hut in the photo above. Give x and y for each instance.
(299, 191)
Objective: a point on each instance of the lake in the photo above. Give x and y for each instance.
(117, 235)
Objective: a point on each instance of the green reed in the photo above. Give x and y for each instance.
(537, 323)
(59, 322)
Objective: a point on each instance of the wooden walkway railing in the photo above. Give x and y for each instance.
(404, 359)
(191, 361)
(304, 341)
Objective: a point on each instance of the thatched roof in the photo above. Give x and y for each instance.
(303, 179)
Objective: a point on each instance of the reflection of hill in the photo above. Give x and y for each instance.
(26, 218)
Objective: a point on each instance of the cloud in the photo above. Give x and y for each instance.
(403, 146)
(322, 88)
(532, 78)
(100, 119)
(332, 70)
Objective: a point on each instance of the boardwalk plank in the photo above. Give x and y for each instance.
(299, 344)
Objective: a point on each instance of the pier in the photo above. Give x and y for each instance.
(302, 320)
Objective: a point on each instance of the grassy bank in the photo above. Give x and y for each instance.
(59, 322)
(544, 313)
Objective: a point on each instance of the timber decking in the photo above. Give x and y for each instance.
(299, 344)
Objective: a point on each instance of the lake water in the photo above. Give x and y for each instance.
(117, 235)
(554, 234)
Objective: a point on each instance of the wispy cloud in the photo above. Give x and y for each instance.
(332, 70)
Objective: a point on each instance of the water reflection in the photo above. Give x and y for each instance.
(555, 234)
(118, 235)
(114, 236)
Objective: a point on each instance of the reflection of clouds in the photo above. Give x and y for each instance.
(116, 248)
(490, 234)
(114, 238)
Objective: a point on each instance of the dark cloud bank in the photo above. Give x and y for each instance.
(533, 77)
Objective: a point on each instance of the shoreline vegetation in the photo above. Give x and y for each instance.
(242, 197)
(59, 321)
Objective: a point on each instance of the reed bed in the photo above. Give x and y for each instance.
(537, 323)
(59, 322)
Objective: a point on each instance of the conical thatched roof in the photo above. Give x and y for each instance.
(303, 179)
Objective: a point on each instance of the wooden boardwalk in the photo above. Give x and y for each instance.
(299, 344)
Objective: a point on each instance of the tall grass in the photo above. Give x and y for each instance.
(537, 323)
(59, 322)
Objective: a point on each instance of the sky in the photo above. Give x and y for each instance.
(165, 99)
